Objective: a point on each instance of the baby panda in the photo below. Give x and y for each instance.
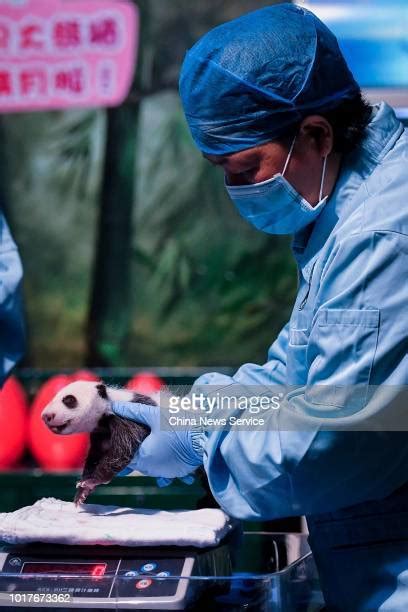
(84, 406)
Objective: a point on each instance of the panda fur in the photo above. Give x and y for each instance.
(84, 406)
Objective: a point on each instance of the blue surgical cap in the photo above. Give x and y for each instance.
(248, 80)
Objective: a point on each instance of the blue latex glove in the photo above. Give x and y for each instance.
(165, 453)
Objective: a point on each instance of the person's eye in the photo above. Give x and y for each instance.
(250, 174)
(243, 177)
(244, 173)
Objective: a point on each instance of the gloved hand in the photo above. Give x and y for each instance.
(165, 453)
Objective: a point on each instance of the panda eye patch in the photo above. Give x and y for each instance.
(70, 401)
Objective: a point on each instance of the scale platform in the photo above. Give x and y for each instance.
(253, 571)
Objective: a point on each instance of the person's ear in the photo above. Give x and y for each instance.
(317, 132)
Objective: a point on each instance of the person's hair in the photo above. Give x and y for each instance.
(348, 120)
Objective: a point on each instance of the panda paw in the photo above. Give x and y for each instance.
(84, 489)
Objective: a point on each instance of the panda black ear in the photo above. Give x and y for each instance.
(102, 392)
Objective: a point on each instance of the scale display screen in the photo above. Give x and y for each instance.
(73, 569)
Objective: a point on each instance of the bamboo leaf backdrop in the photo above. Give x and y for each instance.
(206, 287)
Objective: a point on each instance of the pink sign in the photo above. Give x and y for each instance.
(66, 53)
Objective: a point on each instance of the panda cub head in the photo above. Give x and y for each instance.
(78, 407)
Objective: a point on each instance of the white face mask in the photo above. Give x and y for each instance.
(274, 206)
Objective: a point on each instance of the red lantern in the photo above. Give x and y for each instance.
(13, 422)
(54, 452)
(145, 382)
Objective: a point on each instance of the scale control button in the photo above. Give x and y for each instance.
(15, 561)
(165, 574)
(144, 583)
(132, 573)
(149, 567)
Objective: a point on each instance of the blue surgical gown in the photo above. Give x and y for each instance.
(348, 328)
(12, 332)
(348, 331)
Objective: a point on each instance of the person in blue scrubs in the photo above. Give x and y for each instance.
(269, 98)
(12, 330)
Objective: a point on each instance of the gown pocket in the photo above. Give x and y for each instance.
(340, 355)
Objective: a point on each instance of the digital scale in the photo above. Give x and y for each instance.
(104, 577)
(59, 577)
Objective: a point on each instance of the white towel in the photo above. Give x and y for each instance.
(60, 522)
